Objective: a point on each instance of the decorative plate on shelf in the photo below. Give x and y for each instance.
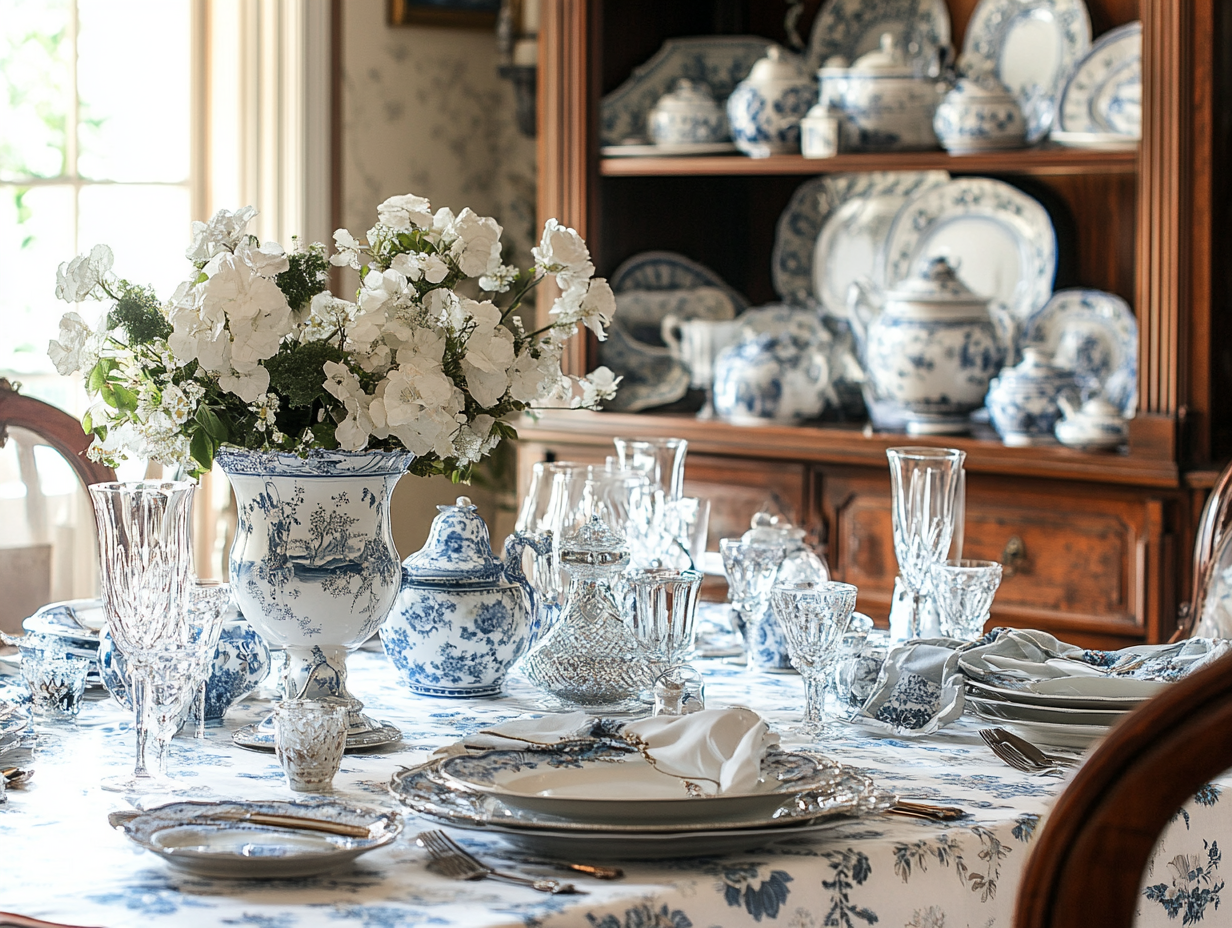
(720, 62)
(1104, 94)
(1000, 240)
(1095, 335)
(1095, 141)
(849, 28)
(675, 150)
(833, 228)
(1032, 47)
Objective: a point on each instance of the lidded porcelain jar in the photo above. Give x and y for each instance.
(686, 115)
(765, 109)
(463, 616)
(979, 114)
(1097, 426)
(1024, 401)
(886, 106)
(932, 350)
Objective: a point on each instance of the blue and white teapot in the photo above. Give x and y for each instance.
(463, 616)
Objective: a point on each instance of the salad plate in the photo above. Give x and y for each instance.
(1095, 141)
(1021, 712)
(1079, 692)
(1000, 241)
(720, 62)
(612, 783)
(832, 230)
(219, 839)
(1053, 734)
(850, 28)
(1095, 335)
(1030, 46)
(674, 149)
(1104, 94)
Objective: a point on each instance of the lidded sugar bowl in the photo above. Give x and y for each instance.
(463, 615)
(765, 109)
(688, 114)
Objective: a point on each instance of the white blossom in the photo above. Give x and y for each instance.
(597, 386)
(500, 279)
(590, 302)
(402, 213)
(561, 251)
(348, 248)
(70, 353)
(267, 259)
(76, 279)
(176, 404)
(476, 243)
(222, 233)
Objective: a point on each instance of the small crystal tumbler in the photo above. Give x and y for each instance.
(57, 683)
(964, 591)
(310, 738)
(679, 691)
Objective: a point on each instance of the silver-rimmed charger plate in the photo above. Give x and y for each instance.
(1031, 46)
(193, 837)
(1099, 96)
(1074, 692)
(609, 783)
(832, 230)
(1095, 335)
(849, 28)
(1000, 240)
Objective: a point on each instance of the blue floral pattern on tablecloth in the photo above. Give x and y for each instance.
(64, 863)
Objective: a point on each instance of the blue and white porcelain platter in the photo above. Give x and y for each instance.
(195, 836)
(850, 211)
(1032, 47)
(720, 62)
(1000, 241)
(1095, 335)
(1104, 94)
(849, 28)
(611, 784)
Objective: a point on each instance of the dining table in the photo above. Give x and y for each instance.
(60, 859)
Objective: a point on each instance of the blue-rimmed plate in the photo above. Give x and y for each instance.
(1104, 94)
(1032, 47)
(608, 783)
(849, 28)
(1095, 335)
(1000, 240)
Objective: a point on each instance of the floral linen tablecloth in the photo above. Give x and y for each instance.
(59, 859)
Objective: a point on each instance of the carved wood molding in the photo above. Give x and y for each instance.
(55, 427)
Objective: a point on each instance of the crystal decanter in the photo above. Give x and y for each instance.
(590, 658)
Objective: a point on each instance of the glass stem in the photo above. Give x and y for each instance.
(200, 700)
(815, 700)
(141, 719)
(913, 626)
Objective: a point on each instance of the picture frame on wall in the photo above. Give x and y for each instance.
(464, 14)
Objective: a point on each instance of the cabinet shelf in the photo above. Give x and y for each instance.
(1034, 161)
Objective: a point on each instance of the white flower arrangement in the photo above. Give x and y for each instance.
(253, 351)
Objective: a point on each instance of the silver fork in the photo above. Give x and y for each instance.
(1033, 753)
(1014, 757)
(458, 864)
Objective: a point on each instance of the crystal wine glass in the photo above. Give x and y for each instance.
(751, 569)
(202, 629)
(924, 490)
(964, 591)
(664, 616)
(145, 557)
(814, 617)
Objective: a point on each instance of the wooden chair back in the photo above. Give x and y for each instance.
(1087, 864)
(53, 426)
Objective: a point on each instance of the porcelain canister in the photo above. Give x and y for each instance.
(765, 109)
(979, 114)
(1097, 426)
(1024, 401)
(686, 115)
(462, 617)
(932, 350)
(778, 372)
(885, 105)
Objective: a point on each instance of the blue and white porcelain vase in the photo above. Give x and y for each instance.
(765, 109)
(463, 616)
(1024, 402)
(313, 565)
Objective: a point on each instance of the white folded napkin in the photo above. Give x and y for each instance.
(721, 750)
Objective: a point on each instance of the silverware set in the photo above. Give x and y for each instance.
(1022, 754)
(458, 864)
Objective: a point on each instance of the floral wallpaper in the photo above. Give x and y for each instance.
(425, 112)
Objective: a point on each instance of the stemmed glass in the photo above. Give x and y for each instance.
(751, 570)
(814, 617)
(924, 490)
(664, 615)
(661, 459)
(203, 628)
(145, 557)
(964, 591)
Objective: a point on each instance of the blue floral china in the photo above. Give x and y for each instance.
(1024, 401)
(931, 350)
(70, 628)
(463, 617)
(1104, 94)
(1095, 426)
(765, 109)
(687, 114)
(849, 28)
(241, 662)
(979, 114)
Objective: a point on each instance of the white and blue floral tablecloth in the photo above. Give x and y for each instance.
(59, 859)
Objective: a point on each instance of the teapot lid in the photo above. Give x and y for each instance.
(687, 93)
(936, 281)
(984, 86)
(884, 60)
(458, 548)
(594, 545)
(778, 65)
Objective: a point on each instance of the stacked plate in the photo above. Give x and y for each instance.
(604, 800)
(1069, 712)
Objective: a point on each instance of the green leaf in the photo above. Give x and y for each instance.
(97, 378)
(202, 448)
(87, 423)
(213, 426)
(107, 392)
(126, 399)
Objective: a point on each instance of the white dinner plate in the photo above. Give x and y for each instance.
(189, 836)
(1075, 692)
(1026, 712)
(678, 149)
(1096, 141)
(1052, 734)
(1032, 47)
(606, 783)
(1000, 240)
(1104, 94)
